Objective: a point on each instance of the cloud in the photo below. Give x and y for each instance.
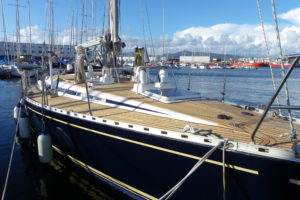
(240, 39)
(219, 38)
(229, 38)
(292, 16)
(36, 35)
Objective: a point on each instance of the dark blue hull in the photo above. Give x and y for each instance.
(147, 166)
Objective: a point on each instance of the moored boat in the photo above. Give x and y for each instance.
(152, 140)
(279, 65)
(18, 69)
(248, 64)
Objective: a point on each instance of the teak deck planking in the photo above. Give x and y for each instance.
(238, 128)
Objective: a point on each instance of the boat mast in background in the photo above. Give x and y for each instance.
(4, 32)
(18, 37)
(83, 34)
(51, 38)
(29, 19)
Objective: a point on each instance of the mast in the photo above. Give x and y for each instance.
(113, 20)
(51, 38)
(4, 32)
(93, 19)
(84, 23)
(112, 36)
(71, 44)
(110, 47)
(29, 18)
(18, 30)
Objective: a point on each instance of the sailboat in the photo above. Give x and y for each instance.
(151, 140)
(20, 66)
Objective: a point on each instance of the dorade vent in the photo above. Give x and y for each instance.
(146, 129)
(130, 126)
(264, 150)
(164, 132)
(116, 123)
(184, 136)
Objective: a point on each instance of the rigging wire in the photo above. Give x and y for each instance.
(149, 27)
(267, 48)
(293, 132)
(143, 27)
(104, 17)
(168, 194)
(163, 24)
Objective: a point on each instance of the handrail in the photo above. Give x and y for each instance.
(292, 66)
(285, 107)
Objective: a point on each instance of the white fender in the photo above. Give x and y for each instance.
(24, 127)
(16, 111)
(44, 148)
(90, 68)
(69, 67)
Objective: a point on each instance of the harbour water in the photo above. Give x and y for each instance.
(31, 180)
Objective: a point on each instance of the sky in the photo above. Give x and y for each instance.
(219, 26)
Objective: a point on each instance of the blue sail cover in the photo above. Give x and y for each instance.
(64, 62)
(4, 60)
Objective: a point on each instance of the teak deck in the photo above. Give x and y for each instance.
(238, 128)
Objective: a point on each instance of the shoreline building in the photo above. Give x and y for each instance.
(37, 50)
(195, 59)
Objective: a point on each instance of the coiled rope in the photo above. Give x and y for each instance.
(196, 166)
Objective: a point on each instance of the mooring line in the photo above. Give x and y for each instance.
(11, 157)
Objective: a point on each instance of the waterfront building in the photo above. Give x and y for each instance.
(37, 50)
(195, 59)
